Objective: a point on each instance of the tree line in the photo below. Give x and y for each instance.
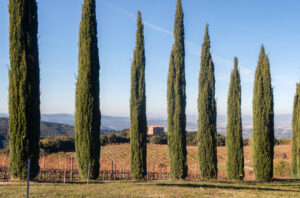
(24, 104)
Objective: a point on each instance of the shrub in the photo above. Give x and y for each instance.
(125, 133)
(191, 139)
(246, 142)
(158, 140)
(220, 140)
(282, 141)
(112, 138)
(57, 144)
(4, 150)
(121, 139)
(103, 140)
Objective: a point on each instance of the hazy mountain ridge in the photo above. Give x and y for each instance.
(117, 123)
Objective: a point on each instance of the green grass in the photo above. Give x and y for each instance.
(220, 188)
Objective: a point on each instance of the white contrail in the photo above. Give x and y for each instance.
(192, 47)
(132, 15)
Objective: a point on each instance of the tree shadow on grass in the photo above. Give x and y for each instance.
(286, 180)
(228, 187)
(274, 182)
(69, 182)
(82, 182)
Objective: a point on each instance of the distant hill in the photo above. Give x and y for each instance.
(48, 129)
(118, 123)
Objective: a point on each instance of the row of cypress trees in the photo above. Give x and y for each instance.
(24, 101)
(263, 114)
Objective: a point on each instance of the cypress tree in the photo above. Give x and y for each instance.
(234, 139)
(207, 112)
(87, 112)
(138, 119)
(263, 120)
(295, 164)
(24, 89)
(176, 96)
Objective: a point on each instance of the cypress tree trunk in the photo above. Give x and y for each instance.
(87, 112)
(234, 138)
(295, 164)
(24, 89)
(263, 120)
(207, 112)
(176, 101)
(138, 119)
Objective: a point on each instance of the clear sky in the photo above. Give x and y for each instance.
(237, 28)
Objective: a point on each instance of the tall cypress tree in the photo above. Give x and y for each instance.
(138, 119)
(24, 89)
(295, 164)
(263, 120)
(207, 112)
(87, 112)
(176, 96)
(234, 139)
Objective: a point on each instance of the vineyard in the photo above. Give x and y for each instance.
(115, 164)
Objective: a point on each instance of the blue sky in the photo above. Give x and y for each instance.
(237, 28)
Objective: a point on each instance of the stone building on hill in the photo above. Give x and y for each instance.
(154, 130)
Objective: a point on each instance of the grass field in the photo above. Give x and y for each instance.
(162, 189)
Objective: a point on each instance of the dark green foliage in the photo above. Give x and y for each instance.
(158, 140)
(234, 138)
(24, 88)
(3, 138)
(112, 139)
(282, 141)
(221, 140)
(125, 133)
(191, 139)
(207, 112)
(295, 164)
(87, 112)
(103, 140)
(138, 119)
(176, 96)
(263, 120)
(246, 142)
(57, 144)
(120, 139)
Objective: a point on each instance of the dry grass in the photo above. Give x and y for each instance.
(162, 189)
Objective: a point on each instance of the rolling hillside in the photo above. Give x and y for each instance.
(48, 129)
